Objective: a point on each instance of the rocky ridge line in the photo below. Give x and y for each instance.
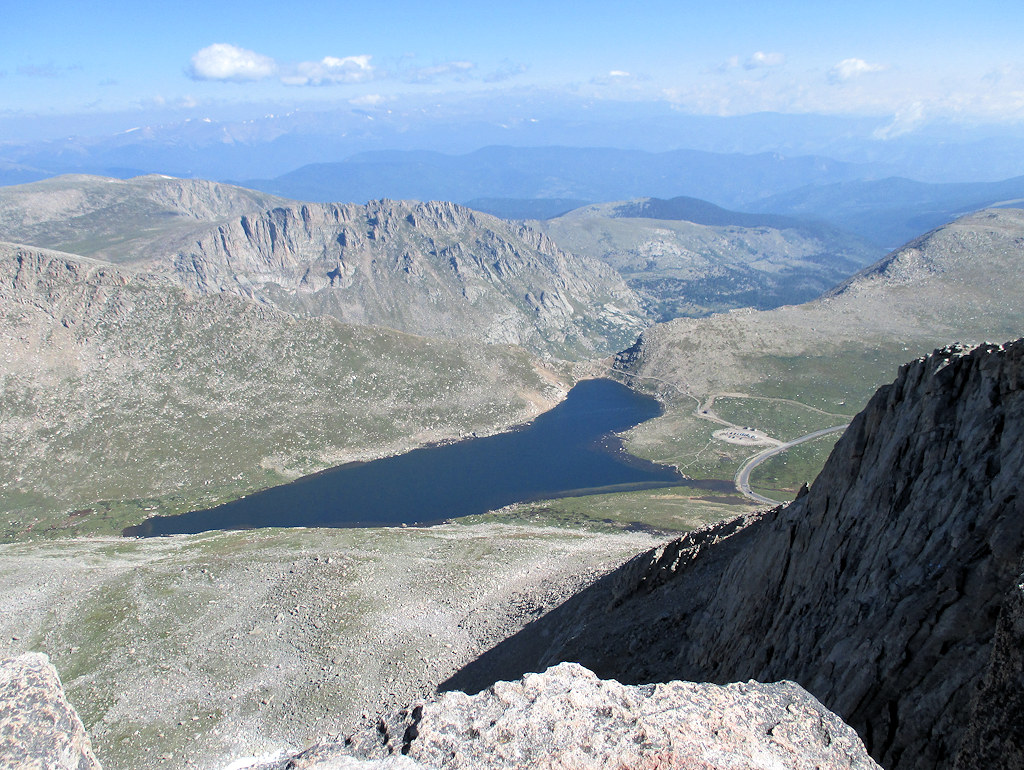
(433, 268)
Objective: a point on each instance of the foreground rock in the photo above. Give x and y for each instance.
(890, 591)
(568, 718)
(38, 727)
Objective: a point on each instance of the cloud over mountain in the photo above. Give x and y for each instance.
(227, 62)
(457, 69)
(223, 61)
(329, 70)
(848, 69)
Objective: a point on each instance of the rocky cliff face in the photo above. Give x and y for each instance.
(433, 269)
(880, 591)
(995, 733)
(428, 268)
(120, 220)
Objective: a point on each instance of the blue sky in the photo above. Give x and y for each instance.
(909, 60)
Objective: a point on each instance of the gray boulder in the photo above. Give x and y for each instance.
(569, 718)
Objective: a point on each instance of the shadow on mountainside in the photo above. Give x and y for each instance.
(887, 591)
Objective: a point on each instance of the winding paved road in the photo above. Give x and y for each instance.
(742, 479)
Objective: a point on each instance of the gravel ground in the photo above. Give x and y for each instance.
(192, 651)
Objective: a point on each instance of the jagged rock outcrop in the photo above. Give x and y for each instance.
(38, 727)
(564, 718)
(568, 718)
(429, 268)
(880, 590)
(434, 269)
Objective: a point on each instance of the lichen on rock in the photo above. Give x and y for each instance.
(38, 727)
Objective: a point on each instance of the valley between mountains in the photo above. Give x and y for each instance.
(170, 344)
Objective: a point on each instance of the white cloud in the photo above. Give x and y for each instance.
(911, 97)
(620, 78)
(226, 62)
(458, 69)
(760, 60)
(731, 63)
(328, 71)
(223, 61)
(848, 69)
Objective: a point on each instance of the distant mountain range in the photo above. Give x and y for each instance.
(885, 211)
(592, 174)
(235, 141)
(839, 171)
(435, 269)
(891, 211)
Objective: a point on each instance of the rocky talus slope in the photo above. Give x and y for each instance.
(38, 727)
(891, 590)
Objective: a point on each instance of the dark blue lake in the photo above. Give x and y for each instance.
(569, 450)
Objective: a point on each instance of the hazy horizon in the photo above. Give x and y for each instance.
(67, 69)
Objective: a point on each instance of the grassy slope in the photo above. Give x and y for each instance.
(136, 392)
(962, 282)
(192, 651)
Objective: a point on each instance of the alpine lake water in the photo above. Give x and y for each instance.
(567, 451)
